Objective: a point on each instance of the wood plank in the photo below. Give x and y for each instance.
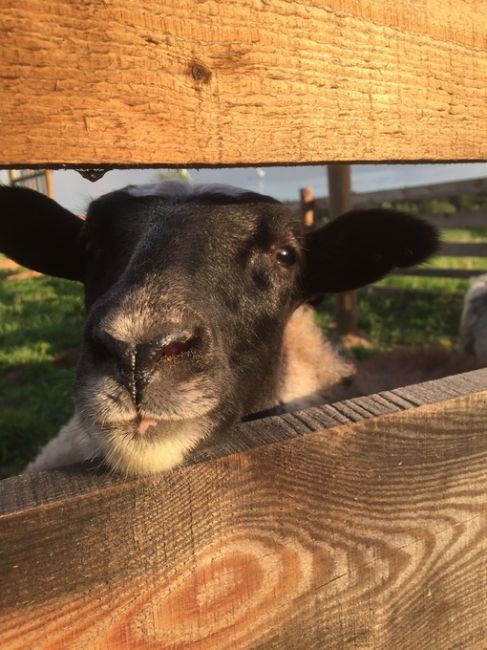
(463, 250)
(24, 492)
(440, 273)
(441, 221)
(406, 294)
(370, 534)
(128, 82)
(474, 186)
(458, 220)
(424, 192)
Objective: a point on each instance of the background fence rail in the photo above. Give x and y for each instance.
(473, 187)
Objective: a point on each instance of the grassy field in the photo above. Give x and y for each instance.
(41, 321)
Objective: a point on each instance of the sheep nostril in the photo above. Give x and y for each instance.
(171, 345)
(175, 348)
(133, 365)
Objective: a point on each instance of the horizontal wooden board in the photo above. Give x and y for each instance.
(440, 273)
(449, 189)
(126, 82)
(458, 220)
(370, 534)
(423, 192)
(463, 250)
(23, 492)
(406, 294)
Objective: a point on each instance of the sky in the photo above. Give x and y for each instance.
(75, 192)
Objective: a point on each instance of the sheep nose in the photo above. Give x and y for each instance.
(137, 363)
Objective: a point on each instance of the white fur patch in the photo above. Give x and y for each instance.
(138, 457)
(478, 287)
(71, 445)
(473, 323)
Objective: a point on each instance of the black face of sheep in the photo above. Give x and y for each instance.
(187, 296)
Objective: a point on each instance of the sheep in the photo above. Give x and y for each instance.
(197, 311)
(473, 322)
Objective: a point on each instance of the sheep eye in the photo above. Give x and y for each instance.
(286, 255)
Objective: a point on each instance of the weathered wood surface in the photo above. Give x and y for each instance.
(371, 534)
(185, 83)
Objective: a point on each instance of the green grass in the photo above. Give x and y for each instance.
(403, 320)
(41, 318)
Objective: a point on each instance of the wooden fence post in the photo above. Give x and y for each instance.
(307, 209)
(339, 184)
(48, 181)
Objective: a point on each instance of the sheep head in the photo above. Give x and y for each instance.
(188, 291)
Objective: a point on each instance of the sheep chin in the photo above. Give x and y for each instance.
(137, 456)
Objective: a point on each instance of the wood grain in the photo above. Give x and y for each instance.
(125, 82)
(372, 535)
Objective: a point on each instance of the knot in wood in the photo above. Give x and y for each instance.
(200, 72)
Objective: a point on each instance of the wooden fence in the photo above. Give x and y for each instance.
(39, 180)
(361, 524)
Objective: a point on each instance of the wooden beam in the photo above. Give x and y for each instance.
(407, 294)
(464, 250)
(176, 82)
(460, 274)
(458, 220)
(423, 192)
(415, 193)
(372, 532)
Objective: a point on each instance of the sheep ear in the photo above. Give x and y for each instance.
(37, 232)
(362, 246)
